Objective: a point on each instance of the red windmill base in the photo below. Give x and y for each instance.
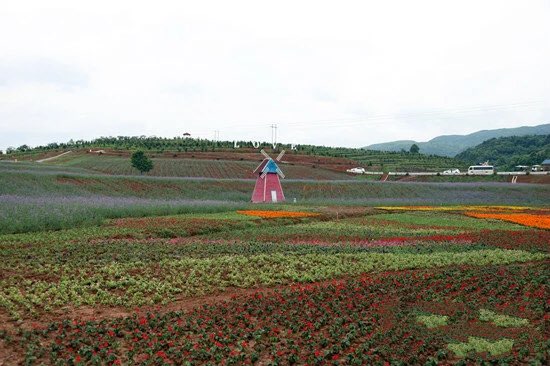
(268, 185)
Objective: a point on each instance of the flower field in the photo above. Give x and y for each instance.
(311, 285)
(541, 221)
(277, 214)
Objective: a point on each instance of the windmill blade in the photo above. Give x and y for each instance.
(280, 173)
(263, 175)
(280, 156)
(258, 167)
(265, 154)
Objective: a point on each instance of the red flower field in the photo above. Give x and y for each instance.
(335, 286)
(367, 319)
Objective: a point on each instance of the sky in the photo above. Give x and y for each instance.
(336, 73)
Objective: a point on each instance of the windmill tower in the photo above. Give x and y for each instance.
(268, 185)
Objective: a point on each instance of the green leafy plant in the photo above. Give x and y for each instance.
(479, 345)
(502, 320)
(433, 320)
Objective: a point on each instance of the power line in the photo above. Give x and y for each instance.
(416, 114)
(435, 112)
(383, 118)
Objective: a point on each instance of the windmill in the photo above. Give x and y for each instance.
(268, 185)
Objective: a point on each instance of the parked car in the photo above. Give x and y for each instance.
(451, 172)
(356, 170)
(521, 168)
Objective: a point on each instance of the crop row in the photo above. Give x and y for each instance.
(48, 286)
(199, 168)
(364, 320)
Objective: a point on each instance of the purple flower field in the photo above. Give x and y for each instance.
(19, 213)
(40, 198)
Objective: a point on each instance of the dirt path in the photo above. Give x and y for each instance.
(53, 157)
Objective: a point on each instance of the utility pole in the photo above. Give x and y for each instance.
(273, 134)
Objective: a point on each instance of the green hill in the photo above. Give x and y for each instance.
(191, 167)
(507, 152)
(398, 161)
(312, 156)
(451, 145)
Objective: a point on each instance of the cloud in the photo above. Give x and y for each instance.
(185, 89)
(323, 96)
(347, 74)
(40, 71)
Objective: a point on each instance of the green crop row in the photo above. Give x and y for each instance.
(442, 219)
(138, 283)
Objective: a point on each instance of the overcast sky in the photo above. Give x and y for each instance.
(346, 73)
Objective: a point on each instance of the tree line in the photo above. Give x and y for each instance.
(508, 152)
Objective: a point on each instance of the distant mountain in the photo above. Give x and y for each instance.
(507, 152)
(451, 145)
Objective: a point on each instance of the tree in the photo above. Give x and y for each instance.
(141, 162)
(24, 148)
(414, 149)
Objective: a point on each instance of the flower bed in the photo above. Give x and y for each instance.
(531, 240)
(365, 320)
(277, 214)
(464, 286)
(453, 208)
(540, 221)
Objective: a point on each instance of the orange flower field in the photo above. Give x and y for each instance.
(277, 214)
(454, 208)
(532, 220)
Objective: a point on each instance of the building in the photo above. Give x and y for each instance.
(546, 165)
(268, 185)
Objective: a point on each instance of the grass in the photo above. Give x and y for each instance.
(450, 178)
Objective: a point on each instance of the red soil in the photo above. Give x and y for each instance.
(540, 179)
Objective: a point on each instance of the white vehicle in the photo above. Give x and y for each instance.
(521, 168)
(481, 170)
(451, 172)
(536, 168)
(356, 170)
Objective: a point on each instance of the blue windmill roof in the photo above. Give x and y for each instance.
(270, 167)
